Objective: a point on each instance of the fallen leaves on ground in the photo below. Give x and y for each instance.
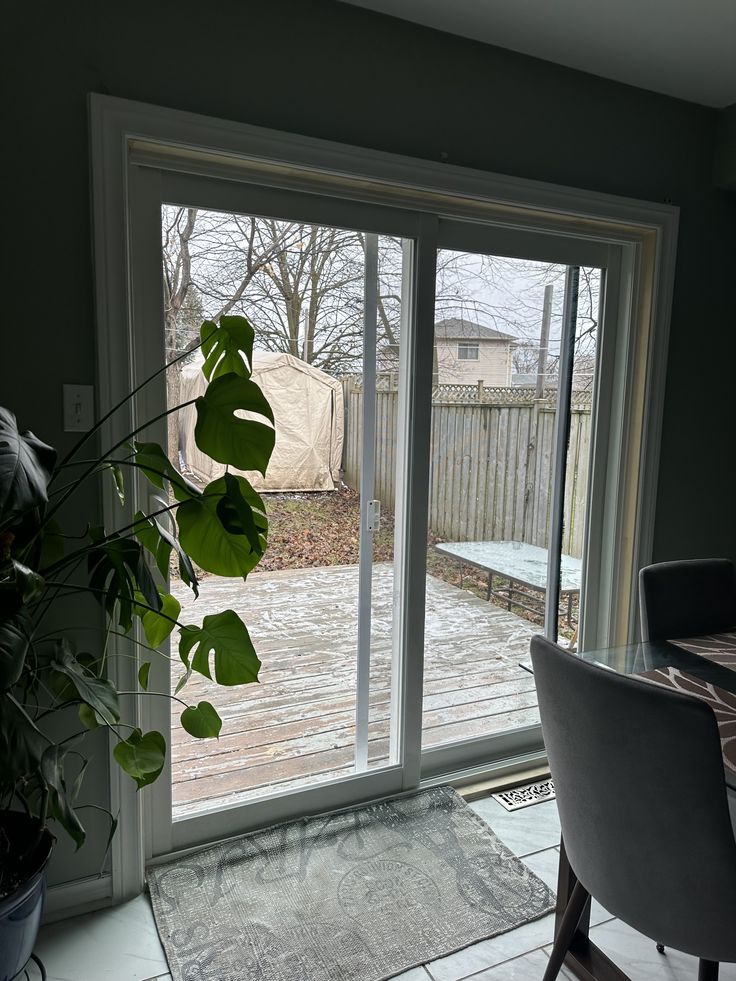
(318, 529)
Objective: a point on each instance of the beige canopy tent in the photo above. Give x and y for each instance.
(308, 409)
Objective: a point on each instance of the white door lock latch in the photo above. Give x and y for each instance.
(373, 522)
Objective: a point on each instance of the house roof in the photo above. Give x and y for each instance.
(457, 328)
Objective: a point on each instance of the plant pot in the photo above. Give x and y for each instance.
(20, 911)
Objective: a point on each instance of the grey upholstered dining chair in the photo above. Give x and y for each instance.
(687, 598)
(641, 794)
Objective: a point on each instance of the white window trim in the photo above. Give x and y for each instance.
(123, 130)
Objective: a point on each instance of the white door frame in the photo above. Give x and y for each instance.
(127, 135)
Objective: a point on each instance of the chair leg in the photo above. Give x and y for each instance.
(708, 971)
(568, 926)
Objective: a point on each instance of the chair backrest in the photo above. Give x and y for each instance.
(641, 793)
(687, 598)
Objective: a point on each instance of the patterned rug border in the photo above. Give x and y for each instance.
(445, 789)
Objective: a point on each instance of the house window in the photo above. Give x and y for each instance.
(468, 351)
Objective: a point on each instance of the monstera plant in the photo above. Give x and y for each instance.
(55, 689)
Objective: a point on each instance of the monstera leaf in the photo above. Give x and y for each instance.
(21, 743)
(201, 721)
(118, 479)
(26, 465)
(226, 636)
(117, 571)
(158, 625)
(61, 800)
(147, 532)
(155, 538)
(15, 634)
(18, 585)
(243, 443)
(242, 512)
(142, 756)
(224, 346)
(209, 540)
(159, 470)
(98, 693)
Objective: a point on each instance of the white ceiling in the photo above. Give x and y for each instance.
(684, 48)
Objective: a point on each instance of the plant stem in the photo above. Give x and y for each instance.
(103, 659)
(114, 633)
(107, 463)
(50, 599)
(160, 694)
(27, 717)
(103, 592)
(44, 806)
(162, 415)
(100, 422)
(108, 538)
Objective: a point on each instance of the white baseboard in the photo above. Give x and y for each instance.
(72, 898)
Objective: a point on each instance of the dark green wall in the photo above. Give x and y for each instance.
(329, 70)
(725, 156)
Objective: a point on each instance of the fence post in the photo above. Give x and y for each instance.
(544, 341)
(530, 470)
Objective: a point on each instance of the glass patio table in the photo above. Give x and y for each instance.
(522, 566)
(695, 666)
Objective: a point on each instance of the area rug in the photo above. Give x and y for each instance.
(358, 895)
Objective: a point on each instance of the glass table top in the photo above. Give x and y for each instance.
(638, 658)
(517, 560)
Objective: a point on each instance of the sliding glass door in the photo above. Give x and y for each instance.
(436, 386)
(327, 289)
(513, 414)
(325, 303)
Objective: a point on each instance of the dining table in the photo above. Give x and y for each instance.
(704, 667)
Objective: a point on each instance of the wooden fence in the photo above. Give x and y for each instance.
(491, 466)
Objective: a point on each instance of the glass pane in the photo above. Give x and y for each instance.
(493, 423)
(302, 287)
(578, 454)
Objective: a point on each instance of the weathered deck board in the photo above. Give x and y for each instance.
(240, 720)
(298, 725)
(314, 735)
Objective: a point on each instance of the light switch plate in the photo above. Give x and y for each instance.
(79, 408)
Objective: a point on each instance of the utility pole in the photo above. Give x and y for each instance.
(544, 341)
(305, 345)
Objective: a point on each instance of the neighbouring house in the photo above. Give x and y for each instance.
(468, 353)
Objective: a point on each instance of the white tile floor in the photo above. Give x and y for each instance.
(122, 944)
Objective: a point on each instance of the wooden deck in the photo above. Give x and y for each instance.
(297, 726)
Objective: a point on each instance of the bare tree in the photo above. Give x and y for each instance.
(178, 226)
(308, 302)
(302, 286)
